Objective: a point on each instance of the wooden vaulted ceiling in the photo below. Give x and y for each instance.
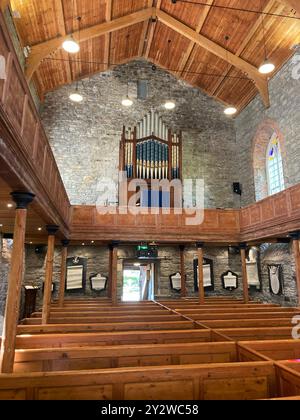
(44, 20)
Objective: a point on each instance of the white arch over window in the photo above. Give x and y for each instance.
(274, 166)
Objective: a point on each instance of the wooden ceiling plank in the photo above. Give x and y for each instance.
(186, 57)
(44, 49)
(59, 13)
(4, 4)
(294, 4)
(252, 72)
(108, 18)
(157, 5)
(145, 30)
(245, 42)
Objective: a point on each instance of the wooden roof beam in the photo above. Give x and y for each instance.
(40, 51)
(108, 18)
(189, 51)
(151, 31)
(251, 71)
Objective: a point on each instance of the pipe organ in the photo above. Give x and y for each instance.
(151, 150)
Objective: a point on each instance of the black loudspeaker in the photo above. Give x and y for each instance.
(237, 188)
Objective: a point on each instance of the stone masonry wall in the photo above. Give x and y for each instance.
(5, 257)
(283, 115)
(284, 112)
(168, 264)
(85, 137)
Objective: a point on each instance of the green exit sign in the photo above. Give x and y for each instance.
(142, 248)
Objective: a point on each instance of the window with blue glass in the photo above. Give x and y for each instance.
(274, 166)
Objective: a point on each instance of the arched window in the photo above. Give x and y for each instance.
(274, 166)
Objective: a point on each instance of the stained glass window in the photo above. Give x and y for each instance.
(274, 166)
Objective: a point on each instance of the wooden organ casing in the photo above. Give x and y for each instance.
(151, 151)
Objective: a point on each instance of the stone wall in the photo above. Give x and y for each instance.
(284, 114)
(5, 257)
(168, 264)
(85, 137)
(278, 254)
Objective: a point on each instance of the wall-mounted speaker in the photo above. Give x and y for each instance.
(237, 188)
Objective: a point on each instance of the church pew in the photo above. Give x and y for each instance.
(85, 319)
(246, 323)
(288, 379)
(79, 319)
(109, 327)
(159, 310)
(114, 338)
(78, 358)
(232, 381)
(257, 333)
(277, 350)
(241, 316)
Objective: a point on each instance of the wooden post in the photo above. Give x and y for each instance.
(200, 273)
(49, 274)
(295, 238)
(182, 270)
(63, 272)
(114, 274)
(243, 248)
(16, 273)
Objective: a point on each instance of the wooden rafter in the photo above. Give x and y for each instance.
(252, 72)
(143, 39)
(151, 31)
(40, 51)
(191, 47)
(62, 30)
(108, 18)
(244, 44)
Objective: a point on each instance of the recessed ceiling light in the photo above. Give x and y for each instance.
(39, 229)
(92, 242)
(71, 46)
(9, 205)
(230, 110)
(83, 244)
(127, 102)
(1, 225)
(266, 68)
(76, 97)
(169, 105)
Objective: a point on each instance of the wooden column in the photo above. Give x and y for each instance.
(243, 248)
(16, 274)
(182, 271)
(114, 274)
(49, 274)
(200, 273)
(63, 273)
(296, 238)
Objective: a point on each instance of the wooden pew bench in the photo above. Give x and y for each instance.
(277, 350)
(239, 381)
(82, 319)
(259, 333)
(114, 338)
(110, 327)
(78, 358)
(247, 323)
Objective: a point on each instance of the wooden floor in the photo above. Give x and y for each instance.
(166, 350)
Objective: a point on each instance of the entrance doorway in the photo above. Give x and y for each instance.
(138, 281)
